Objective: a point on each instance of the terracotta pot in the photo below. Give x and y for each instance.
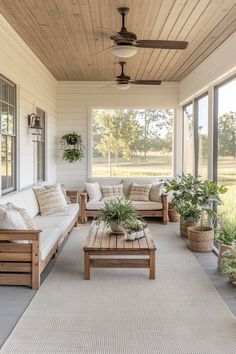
(184, 227)
(200, 239)
(222, 249)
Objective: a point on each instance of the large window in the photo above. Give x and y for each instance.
(132, 142)
(225, 144)
(8, 134)
(195, 137)
(41, 148)
(188, 139)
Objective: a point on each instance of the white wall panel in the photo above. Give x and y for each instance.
(36, 87)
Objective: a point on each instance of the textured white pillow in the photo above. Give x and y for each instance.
(156, 192)
(140, 192)
(25, 216)
(11, 219)
(94, 191)
(51, 199)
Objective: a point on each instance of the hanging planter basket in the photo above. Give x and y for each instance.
(73, 147)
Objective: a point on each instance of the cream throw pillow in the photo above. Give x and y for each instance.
(94, 191)
(140, 192)
(116, 190)
(50, 199)
(156, 192)
(10, 218)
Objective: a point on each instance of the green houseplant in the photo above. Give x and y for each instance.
(117, 213)
(225, 235)
(201, 237)
(228, 263)
(134, 229)
(73, 147)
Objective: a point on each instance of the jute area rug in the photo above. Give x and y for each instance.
(122, 311)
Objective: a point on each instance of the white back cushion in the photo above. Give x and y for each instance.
(30, 200)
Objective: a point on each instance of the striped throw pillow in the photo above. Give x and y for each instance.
(116, 190)
(25, 216)
(50, 199)
(140, 192)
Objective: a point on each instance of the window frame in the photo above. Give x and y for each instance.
(133, 107)
(15, 138)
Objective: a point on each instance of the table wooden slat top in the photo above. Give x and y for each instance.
(101, 238)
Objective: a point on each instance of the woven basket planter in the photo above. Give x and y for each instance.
(173, 215)
(222, 249)
(232, 278)
(184, 227)
(200, 240)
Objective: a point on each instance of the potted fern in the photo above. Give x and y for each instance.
(117, 213)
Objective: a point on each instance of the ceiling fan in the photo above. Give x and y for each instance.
(127, 43)
(123, 81)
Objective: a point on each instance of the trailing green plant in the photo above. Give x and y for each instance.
(228, 262)
(73, 147)
(225, 231)
(135, 225)
(118, 210)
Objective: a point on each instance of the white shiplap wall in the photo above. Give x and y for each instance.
(36, 87)
(75, 101)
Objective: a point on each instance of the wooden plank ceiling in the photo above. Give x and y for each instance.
(64, 35)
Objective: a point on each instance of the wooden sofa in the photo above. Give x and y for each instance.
(22, 263)
(145, 209)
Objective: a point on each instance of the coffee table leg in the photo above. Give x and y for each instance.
(152, 265)
(86, 266)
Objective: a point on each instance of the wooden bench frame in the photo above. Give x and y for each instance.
(20, 263)
(163, 213)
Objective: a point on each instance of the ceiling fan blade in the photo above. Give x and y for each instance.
(161, 44)
(146, 82)
(104, 50)
(110, 32)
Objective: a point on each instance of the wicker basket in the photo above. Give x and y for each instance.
(232, 278)
(200, 240)
(173, 215)
(222, 249)
(184, 227)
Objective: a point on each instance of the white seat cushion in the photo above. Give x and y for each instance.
(47, 222)
(71, 210)
(49, 238)
(137, 204)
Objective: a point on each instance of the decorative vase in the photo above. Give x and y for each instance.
(222, 249)
(200, 239)
(184, 227)
(116, 228)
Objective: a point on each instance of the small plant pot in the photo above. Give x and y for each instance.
(200, 239)
(116, 228)
(134, 235)
(184, 227)
(173, 215)
(222, 249)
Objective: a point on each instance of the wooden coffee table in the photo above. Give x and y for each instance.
(101, 242)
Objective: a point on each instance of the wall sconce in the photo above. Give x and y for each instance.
(34, 123)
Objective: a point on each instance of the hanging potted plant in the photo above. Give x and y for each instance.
(225, 235)
(73, 147)
(201, 238)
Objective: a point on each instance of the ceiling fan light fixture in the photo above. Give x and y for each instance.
(122, 86)
(124, 51)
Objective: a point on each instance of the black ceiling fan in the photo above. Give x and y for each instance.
(123, 81)
(126, 38)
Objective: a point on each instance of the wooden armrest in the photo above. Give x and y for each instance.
(164, 200)
(73, 195)
(27, 235)
(83, 200)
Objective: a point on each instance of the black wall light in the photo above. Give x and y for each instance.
(34, 123)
